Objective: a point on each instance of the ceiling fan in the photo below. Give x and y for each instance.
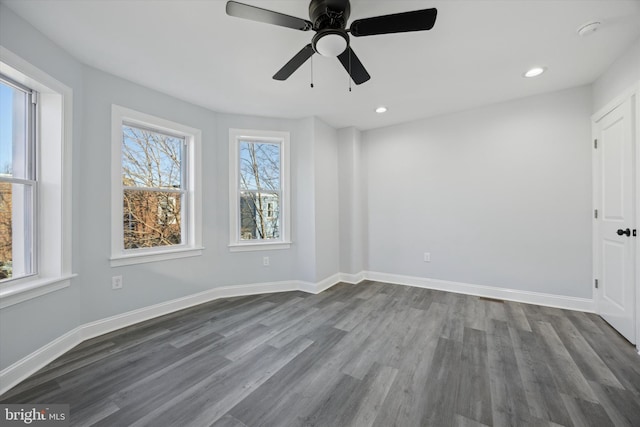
(329, 21)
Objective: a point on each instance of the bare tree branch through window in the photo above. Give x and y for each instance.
(260, 190)
(153, 190)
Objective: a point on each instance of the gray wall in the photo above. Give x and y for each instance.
(327, 200)
(352, 202)
(303, 209)
(28, 326)
(622, 74)
(500, 195)
(151, 283)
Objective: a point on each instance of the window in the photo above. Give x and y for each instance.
(156, 189)
(259, 206)
(152, 181)
(35, 181)
(18, 185)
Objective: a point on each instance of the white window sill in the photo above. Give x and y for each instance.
(143, 257)
(262, 246)
(29, 289)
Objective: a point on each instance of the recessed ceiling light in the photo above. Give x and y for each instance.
(535, 72)
(588, 28)
(381, 110)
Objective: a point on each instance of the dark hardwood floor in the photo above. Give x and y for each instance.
(371, 354)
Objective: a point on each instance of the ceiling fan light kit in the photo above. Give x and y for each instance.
(330, 43)
(329, 21)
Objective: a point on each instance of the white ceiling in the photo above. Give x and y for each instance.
(475, 55)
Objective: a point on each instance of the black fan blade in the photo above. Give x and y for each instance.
(417, 20)
(355, 68)
(294, 63)
(241, 10)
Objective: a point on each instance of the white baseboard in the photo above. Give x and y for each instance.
(352, 278)
(538, 298)
(103, 326)
(323, 285)
(22, 369)
(29, 365)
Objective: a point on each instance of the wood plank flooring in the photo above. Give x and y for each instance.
(371, 354)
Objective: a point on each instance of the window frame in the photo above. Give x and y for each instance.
(191, 215)
(236, 136)
(30, 180)
(53, 210)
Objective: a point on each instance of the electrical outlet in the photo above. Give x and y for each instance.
(427, 257)
(265, 261)
(116, 282)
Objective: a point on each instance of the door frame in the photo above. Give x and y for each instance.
(631, 93)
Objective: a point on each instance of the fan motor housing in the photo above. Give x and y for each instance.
(329, 13)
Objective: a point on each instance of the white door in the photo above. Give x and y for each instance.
(615, 241)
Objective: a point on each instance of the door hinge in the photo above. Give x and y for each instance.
(34, 97)
(596, 283)
(595, 143)
(595, 213)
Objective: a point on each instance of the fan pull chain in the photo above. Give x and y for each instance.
(312, 72)
(349, 52)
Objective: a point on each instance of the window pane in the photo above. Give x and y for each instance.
(259, 166)
(259, 216)
(6, 240)
(14, 153)
(151, 219)
(151, 159)
(16, 230)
